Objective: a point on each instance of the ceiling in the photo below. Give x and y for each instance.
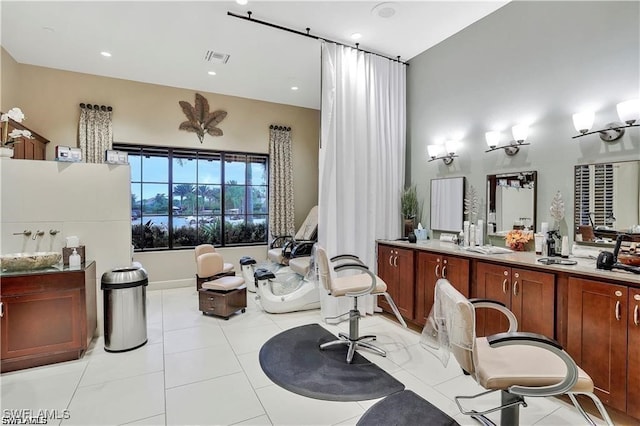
(165, 42)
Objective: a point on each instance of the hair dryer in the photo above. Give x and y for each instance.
(608, 261)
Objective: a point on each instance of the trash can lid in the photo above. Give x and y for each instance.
(125, 276)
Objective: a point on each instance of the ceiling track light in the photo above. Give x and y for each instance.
(628, 111)
(520, 133)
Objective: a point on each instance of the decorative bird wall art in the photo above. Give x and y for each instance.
(199, 120)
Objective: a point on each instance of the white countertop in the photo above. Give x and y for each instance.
(584, 267)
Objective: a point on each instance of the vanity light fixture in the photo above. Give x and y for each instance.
(520, 133)
(446, 152)
(628, 111)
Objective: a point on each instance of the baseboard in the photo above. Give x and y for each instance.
(166, 285)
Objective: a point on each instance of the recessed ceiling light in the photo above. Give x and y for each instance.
(211, 73)
(294, 87)
(384, 10)
(356, 36)
(241, 2)
(106, 54)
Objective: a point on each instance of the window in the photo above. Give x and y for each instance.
(184, 197)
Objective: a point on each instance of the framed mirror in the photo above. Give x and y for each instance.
(511, 202)
(447, 204)
(607, 201)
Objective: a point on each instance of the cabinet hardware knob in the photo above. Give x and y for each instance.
(636, 315)
(437, 268)
(504, 286)
(444, 272)
(618, 310)
(515, 288)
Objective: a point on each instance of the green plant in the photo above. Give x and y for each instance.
(409, 202)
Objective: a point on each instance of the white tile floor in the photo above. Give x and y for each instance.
(203, 370)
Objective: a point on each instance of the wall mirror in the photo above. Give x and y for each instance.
(447, 204)
(607, 201)
(511, 202)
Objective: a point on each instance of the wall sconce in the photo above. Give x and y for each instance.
(520, 133)
(628, 111)
(445, 153)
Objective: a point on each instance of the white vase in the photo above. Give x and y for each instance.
(6, 152)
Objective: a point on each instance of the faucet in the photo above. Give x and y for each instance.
(26, 233)
(38, 233)
(53, 232)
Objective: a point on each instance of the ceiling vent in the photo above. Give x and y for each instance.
(216, 57)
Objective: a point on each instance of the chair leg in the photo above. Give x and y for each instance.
(598, 404)
(510, 415)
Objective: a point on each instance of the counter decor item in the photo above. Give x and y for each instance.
(8, 139)
(409, 209)
(471, 204)
(517, 239)
(557, 207)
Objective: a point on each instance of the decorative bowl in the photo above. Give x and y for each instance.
(29, 261)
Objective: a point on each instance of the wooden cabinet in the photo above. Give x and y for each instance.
(633, 354)
(529, 294)
(46, 317)
(395, 267)
(430, 268)
(597, 336)
(25, 148)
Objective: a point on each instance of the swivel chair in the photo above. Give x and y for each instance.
(361, 284)
(220, 295)
(518, 364)
(284, 247)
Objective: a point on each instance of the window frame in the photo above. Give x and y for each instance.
(171, 153)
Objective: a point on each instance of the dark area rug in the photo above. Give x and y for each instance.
(405, 408)
(294, 361)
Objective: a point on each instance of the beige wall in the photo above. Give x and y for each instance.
(8, 81)
(149, 114)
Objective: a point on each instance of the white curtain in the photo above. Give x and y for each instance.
(95, 132)
(281, 214)
(362, 156)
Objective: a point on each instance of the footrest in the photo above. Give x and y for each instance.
(222, 303)
(263, 274)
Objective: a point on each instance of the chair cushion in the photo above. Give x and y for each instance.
(500, 368)
(275, 255)
(300, 265)
(354, 283)
(224, 283)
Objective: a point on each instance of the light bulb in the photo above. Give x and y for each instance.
(493, 138)
(583, 121)
(520, 132)
(629, 111)
(434, 150)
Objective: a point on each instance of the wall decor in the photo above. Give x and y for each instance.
(199, 120)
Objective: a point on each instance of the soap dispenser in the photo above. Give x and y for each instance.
(74, 260)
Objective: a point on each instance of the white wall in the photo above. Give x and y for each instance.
(90, 201)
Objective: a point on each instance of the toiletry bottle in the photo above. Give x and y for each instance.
(461, 238)
(472, 235)
(74, 260)
(466, 240)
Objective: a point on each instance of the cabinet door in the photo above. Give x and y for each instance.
(39, 323)
(533, 301)
(456, 270)
(633, 357)
(428, 269)
(387, 272)
(494, 283)
(597, 336)
(404, 297)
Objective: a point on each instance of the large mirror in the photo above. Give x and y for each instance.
(607, 201)
(511, 202)
(447, 204)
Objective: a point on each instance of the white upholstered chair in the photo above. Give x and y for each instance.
(209, 248)
(284, 247)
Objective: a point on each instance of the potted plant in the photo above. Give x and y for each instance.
(409, 208)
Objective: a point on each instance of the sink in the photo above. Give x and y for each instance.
(29, 261)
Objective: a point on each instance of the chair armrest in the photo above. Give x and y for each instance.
(500, 307)
(345, 256)
(279, 241)
(543, 342)
(361, 268)
(301, 248)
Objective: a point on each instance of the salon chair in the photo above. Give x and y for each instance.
(517, 364)
(220, 295)
(354, 286)
(284, 247)
(227, 268)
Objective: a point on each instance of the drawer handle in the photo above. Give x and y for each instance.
(395, 261)
(636, 315)
(504, 286)
(437, 268)
(444, 271)
(2, 309)
(390, 257)
(618, 310)
(515, 288)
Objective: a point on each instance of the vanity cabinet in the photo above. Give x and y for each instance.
(633, 354)
(33, 148)
(46, 317)
(529, 294)
(430, 268)
(395, 267)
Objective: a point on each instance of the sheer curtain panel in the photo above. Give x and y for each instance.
(362, 155)
(95, 133)
(281, 208)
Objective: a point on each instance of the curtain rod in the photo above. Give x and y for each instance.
(96, 107)
(307, 34)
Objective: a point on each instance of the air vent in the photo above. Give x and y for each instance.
(216, 57)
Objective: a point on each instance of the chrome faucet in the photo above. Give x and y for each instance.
(26, 233)
(38, 233)
(53, 232)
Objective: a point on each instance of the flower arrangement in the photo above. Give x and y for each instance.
(517, 239)
(8, 139)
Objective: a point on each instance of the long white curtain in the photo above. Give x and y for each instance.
(362, 156)
(95, 133)
(281, 215)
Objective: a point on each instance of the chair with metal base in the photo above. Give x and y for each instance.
(361, 284)
(517, 364)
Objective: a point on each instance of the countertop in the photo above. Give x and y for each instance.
(51, 270)
(584, 267)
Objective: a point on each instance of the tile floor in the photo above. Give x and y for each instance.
(204, 370)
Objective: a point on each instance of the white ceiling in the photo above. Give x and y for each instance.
(165, 42)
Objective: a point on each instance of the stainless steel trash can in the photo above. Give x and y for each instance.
(125, 308)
